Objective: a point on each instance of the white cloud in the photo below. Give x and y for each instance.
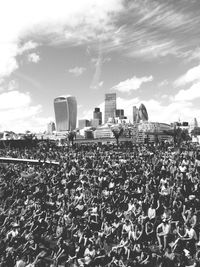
(101, 83)
(30, 45)
(33, 57)
(193, 55)
(8, 62)
(97, 86)
(163, 83)
(14, 99)
(98, 64)
(189, 94)
(191, 75)
(12, 85)
(77, 71)
(154, 49)
(132, 84)
(22, 119)
(9, 86)
(18, 114)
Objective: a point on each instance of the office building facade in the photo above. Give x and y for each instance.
(65, 108)
(119, 113)
(110, 106)
(135, 115)
(97, 114)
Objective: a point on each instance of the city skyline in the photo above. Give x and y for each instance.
(146, 51)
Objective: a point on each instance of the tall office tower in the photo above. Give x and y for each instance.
(135, 114)
(97, 114)
(51, 127)
(119, 113)
(65, 108)
(110, 106)
(143, 115)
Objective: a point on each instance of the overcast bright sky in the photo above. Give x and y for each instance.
(147, 51)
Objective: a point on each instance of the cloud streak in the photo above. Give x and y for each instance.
(77, 71)
(131, 84)
(34, 58)
(68, 22)
(147, 29)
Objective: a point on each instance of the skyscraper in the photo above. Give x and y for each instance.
(143, 115)
(65, 108)
(97, 114)
(195, 122)
(135, 114)
(110, 106)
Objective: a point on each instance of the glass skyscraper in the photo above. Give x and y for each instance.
(110, 106)
(143, 113)
(65, 108)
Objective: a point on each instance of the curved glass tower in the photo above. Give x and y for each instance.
(65, 108)
(143, 115)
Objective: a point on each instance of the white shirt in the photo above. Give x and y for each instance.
(165, 228)
(20, 263)
(151, 213)
(191, 233)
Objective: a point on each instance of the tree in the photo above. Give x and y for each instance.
(71, 137)
(195, 131)
(117, 131)
(181, 135)
(29, 136)
(185, 135)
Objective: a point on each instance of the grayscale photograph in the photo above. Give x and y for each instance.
(100, 133)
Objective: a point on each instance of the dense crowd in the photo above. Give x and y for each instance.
(135, 205)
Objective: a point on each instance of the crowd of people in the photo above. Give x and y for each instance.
(132, 205)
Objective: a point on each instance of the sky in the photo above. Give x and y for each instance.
(146, 51)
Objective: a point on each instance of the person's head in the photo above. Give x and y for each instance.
(188, 225)
(127, 222)
(168, 249)
(95, 234)
(164, 220)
